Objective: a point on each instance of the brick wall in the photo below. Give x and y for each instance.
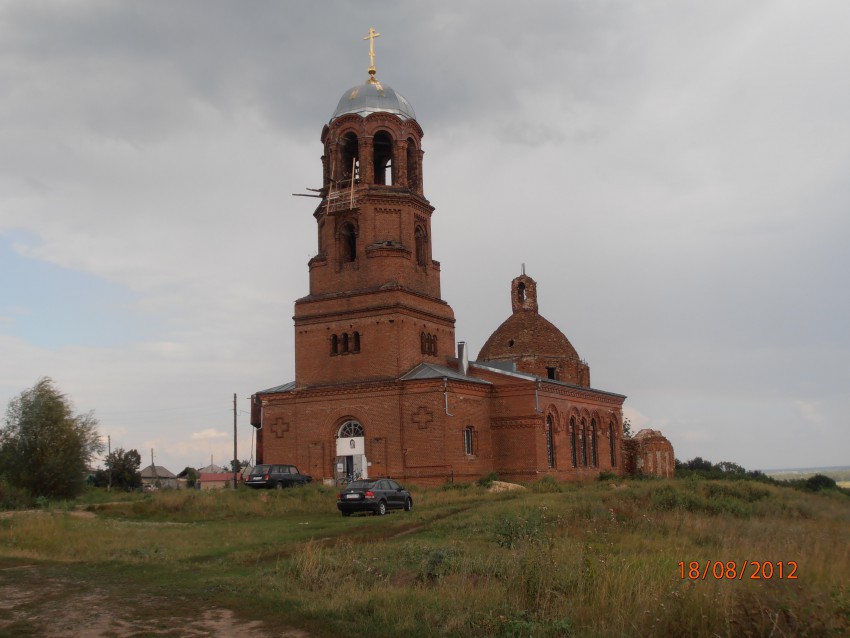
(649, 452)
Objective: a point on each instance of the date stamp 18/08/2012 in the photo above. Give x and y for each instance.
(733, 570)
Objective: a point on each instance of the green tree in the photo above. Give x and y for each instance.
(190, 474)
(44, 448)
(730, 468)
(124, 466)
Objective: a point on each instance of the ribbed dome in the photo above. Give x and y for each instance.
(373, 97)
(527, 334)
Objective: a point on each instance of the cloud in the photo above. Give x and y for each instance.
(209, 433)
(808, 411)
(674, 177)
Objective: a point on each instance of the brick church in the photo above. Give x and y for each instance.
(381, 387)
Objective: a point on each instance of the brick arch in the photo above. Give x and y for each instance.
(391, 131)
(346, 234)
(614, 420)
(420, 240)
(557, 420)
(335, 423)
(352, 126)
(378, 119)
(384, 156)
(348, 122)
(349, 137)
(573, 417)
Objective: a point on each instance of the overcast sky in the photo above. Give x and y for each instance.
(675, 176)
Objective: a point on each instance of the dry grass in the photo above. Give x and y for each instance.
(584, 560)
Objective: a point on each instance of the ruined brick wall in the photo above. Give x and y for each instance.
(648, 452)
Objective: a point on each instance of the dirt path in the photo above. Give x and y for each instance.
(49, 606)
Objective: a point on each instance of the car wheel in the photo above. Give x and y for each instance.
(346, 513)
(408, 504)
(278, 485)
(382, 508)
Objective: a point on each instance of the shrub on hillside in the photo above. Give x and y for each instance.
(819, 482)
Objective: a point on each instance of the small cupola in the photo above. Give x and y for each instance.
(524, 294)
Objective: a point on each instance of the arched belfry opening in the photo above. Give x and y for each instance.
(349, 157)
(524, 294)
(383, 163)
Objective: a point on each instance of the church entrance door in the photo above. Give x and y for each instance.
(351, 461)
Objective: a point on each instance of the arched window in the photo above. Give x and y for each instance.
(382, 149)
(344, 342)
(612, 444)
(349, 430)
(428, 343)
(550, 443)
(348, 243)
(469, 440)
(583, 441)
(412, 165)
(573, 442)
(334, 345)
(421, 241)
(355, 342)
(594, 460)
(520, 293)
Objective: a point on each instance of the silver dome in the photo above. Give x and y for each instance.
(373, 98)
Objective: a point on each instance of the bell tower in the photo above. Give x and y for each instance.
(374, 309)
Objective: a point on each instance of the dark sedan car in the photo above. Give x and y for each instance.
(373, 495)
(276, 476)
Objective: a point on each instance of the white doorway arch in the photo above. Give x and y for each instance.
(351, 463)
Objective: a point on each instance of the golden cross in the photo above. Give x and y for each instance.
(371, 37)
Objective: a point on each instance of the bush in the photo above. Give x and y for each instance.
(819, 482)
(518, 529)
(14, 498)
(487, 480)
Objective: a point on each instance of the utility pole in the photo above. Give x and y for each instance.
(153, 468)
(235, 457)
(109, 462)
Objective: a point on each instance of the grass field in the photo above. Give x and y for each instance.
(627, 558)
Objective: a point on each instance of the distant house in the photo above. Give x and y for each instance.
(158, 477)
(215, 480)
(212, 468)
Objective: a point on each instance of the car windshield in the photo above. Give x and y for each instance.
(361, 485)
(260, 469)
